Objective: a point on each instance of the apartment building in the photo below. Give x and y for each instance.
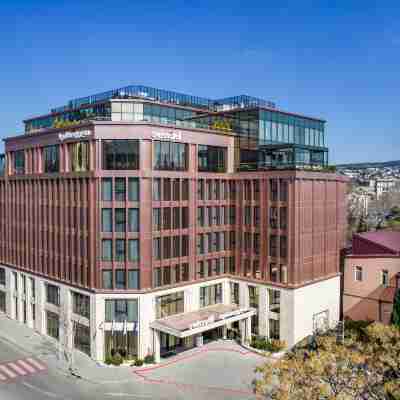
(146, 221)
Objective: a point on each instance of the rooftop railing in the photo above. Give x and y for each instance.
(167, 96)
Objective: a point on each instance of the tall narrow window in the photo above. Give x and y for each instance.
(133, 250)
(106, 189)
(51, 159)
(107, 250)
(106, 219)
(79, 157)
(120, 189)
(133, 220)
(120, 250)
(19, 162)
(120, 219)
(133, 189)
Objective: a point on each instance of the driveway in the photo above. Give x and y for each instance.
(219, 370)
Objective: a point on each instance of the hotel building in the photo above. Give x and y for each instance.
(146, 221)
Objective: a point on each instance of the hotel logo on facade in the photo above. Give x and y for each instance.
(74, 135)
(167, 135)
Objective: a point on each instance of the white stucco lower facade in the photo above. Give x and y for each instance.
(287, 314)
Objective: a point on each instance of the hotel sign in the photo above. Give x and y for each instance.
(74, 135)
(167, 135)
(202, 323)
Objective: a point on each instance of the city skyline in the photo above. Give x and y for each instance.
(337, 64)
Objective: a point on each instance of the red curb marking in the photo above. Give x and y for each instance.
(141, 373)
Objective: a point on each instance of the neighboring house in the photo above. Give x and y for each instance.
(371, 276)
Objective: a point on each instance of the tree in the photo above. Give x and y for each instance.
(395, 318)
(365, 366)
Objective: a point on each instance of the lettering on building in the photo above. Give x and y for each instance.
(74, 135)
(167, 135)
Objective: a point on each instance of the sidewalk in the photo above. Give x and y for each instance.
(47, 350)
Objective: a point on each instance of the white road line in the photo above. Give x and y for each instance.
(35, 364)
(26, 366)
(136, 396)
(43, 392)
(16, 368)
(2, 377)
(9, 373)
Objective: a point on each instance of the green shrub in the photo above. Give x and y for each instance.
(108, 360)
(264, 344)
(138, 362)
(149, 359)
(117, 359)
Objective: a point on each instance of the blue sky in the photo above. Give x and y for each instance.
(336, 60)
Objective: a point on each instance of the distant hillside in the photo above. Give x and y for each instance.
(370, 165)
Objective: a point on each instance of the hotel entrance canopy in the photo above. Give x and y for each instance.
(195, 322)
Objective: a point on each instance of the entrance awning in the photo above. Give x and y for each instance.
(194, 322)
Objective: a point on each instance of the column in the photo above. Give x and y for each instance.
(263, 312)
(224, 332)
(39, 303)
(243, 295)
(245, 330)
(97, 317)
(156, 346)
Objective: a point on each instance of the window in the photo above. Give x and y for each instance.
(3, 307)
(385, 278)
(120, 154)
(79, 156)
(283, 246)
(166, 247)
(52, 325)
(211, 159)
(157, 277)
(133, 250)
(133, 279)
(120, 219)
(254, 296)
(170, 304)
(156, 219)
(273, 217)
(170, 156)
(167, 189)
(210, 295)
(176, 190)
(120, 250)
(274, 329)
(157, 189)
(157, 248)
(121, 310)
(107, 279)
(133, 220)
(133, 189)
(81, 304)
(273, 246)
(106, 220)
(200, 189)
(283, 217)
(51, 159)
(273, 189)
(185, 189)
(167, 275)
(234, 293)
(19, 162)
(2, 276)
(185, 217)
(53, 294)
(274, 273)
(167, 218)
(185, 272)
(247, 215)
(82, 338)
(106, 189)
(176, 218)
(120, 279)
(283, 189)
(107, 253)
(358, 272)
(200, 216)
(120, 189)
(274, 300)
(200, 244)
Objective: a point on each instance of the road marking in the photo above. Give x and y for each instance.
(35, 364)
(43, 392)
(16, 368)
(9, 373)
(136, 396)
(2, 377)
(26, 366)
